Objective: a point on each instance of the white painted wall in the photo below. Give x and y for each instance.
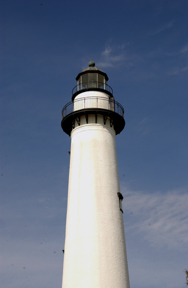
(91, 99)
(95, 253)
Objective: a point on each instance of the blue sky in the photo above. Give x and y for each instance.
(143, 47)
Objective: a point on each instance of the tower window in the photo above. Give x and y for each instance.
(120, 196)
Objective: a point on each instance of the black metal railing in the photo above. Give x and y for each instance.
(91, 85)
(93, 102)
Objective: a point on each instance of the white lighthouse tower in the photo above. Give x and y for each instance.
(95, 251)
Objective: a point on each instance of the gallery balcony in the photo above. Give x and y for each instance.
(96, 105)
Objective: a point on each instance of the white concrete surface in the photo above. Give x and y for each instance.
(92, 99)
(94, 252)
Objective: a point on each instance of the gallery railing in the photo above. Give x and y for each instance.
(93, 102)
(91, 85)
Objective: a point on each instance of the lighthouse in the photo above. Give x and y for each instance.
(95, 251)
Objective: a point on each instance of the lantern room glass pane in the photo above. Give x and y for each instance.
(85, 81)
(101, 81)
(92, 80)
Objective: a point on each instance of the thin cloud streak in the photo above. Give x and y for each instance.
(160, 217)
(139, 66)
(184, 49)
(165, 27)
(177, 71)
(107, 51)
(112, 57)
(143, 126)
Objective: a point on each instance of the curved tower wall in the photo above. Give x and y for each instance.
(91, 100)
(95, 252)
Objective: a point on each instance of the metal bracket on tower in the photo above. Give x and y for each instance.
(111, 122)
(120, 196)
(86, 118)
(78, 120)
(95, 117)
(73, 124)
(105, 118)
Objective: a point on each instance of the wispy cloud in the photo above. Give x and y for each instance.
(113, 56)
(184, 49)
(107, 51)
(181, 52)
(160, 217)
(165, 27)
(144, 65)
(176, 71)
(143, 126)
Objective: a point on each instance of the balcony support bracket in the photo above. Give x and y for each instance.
(86, 115)
(78, 120)
(105, 118)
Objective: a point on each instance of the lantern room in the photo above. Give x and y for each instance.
(92, 78)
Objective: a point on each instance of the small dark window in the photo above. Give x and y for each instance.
(120, 196)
